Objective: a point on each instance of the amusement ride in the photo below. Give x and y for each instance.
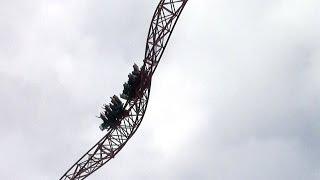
(122, 118)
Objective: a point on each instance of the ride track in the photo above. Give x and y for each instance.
(163, 22)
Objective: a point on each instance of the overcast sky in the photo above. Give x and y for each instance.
(236, 95)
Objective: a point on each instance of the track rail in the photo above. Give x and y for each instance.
(162, 24)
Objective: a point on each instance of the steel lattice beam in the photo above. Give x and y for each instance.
(163, 22)
(162, 25)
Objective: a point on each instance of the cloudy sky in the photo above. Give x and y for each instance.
(236, 95)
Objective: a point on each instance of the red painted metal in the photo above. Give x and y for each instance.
(163, 22)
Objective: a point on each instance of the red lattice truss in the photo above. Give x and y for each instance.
(163, 22)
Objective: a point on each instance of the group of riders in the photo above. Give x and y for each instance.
(115, 111)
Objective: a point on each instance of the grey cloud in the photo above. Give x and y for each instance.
(236, 95)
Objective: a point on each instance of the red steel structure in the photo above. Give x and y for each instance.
(163, 22)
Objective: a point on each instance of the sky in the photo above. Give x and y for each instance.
(236, 95)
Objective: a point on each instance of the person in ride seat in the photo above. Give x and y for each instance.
(136, 68)
(112, 114)
(129, 88)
